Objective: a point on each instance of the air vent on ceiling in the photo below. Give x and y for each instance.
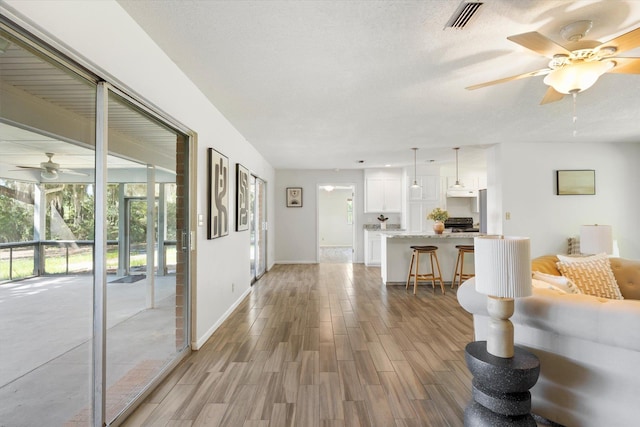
(463, 14)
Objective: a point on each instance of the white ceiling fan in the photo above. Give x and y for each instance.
(578, 65)
(49, 170)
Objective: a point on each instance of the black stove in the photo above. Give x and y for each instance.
(460, 225)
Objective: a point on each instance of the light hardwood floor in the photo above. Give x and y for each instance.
(324, 345)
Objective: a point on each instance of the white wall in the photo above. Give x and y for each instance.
(111, 41)
(522, 182)
(296, 232)
(333, 225)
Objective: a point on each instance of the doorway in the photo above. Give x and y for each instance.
(135, 227)
(336, 223)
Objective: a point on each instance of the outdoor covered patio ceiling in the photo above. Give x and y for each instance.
(65, 101)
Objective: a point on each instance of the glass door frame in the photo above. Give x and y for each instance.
(185, 244)
(258, 228)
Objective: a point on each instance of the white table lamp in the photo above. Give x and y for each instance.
(502, 272)
(596, 239)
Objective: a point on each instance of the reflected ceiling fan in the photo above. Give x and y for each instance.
(49, 170)
(576, 67)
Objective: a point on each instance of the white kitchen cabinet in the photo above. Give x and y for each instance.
(429, 188)
(417, 221)
(382, 190)
(372, 248)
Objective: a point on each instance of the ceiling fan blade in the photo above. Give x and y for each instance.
(551, 95)
(626, 66)
(508, 79)
(29, 167)
(625, 42)
(72, 172)
(539, 43)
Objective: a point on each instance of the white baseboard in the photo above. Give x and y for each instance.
(196, 345)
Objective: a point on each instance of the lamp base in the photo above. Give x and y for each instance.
(501, 386)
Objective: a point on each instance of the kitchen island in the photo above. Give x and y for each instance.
(396, 253)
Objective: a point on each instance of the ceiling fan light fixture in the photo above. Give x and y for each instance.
(607, 51)
(577, 77)
(49, 174)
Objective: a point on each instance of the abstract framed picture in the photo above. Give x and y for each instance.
(294, 197)
(242, 198)
(218, 224)
(576, 182)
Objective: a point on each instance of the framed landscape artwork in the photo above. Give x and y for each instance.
(242, 198)
(294, 197)
(218, 224)
(575, 182)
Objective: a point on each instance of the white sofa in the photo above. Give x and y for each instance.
(589, 349)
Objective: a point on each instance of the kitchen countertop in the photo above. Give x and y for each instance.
(391, 234)
(396, 252)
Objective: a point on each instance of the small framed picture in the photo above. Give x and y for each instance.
(575, 182)
(294, 197)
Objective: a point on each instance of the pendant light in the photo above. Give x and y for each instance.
(457, 184)
(415, 179)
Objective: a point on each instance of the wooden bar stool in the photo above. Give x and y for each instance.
(458, 273)
(415, 258)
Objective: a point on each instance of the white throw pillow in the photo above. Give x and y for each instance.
(561, 282)
(541, 284)
(567, 259)
(592, 277)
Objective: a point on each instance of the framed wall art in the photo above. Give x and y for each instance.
(294, 197)
(575, 182)
(218, 224)
(242, 198)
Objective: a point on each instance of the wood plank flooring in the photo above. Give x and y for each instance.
(323, 345)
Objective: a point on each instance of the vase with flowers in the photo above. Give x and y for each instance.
(383, 222)
(439, 216)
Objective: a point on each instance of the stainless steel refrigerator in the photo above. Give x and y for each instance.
(482, 205)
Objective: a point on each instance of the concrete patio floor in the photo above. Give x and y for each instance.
(46, 342)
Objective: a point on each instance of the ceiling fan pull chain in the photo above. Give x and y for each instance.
(575, 116)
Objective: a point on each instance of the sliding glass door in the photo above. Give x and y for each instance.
(258, 227)
(47, 161)
(145, 309)
(94, 277)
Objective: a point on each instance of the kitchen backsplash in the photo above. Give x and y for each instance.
(377, 226)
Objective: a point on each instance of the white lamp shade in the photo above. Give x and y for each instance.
(503, 266)
(596, 239)
(577, 77)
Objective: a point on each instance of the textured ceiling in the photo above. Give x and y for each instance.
(324, 84)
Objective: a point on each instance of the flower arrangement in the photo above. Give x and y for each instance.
(438, 215)
(382, 218)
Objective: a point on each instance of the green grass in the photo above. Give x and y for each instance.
(79, 262)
